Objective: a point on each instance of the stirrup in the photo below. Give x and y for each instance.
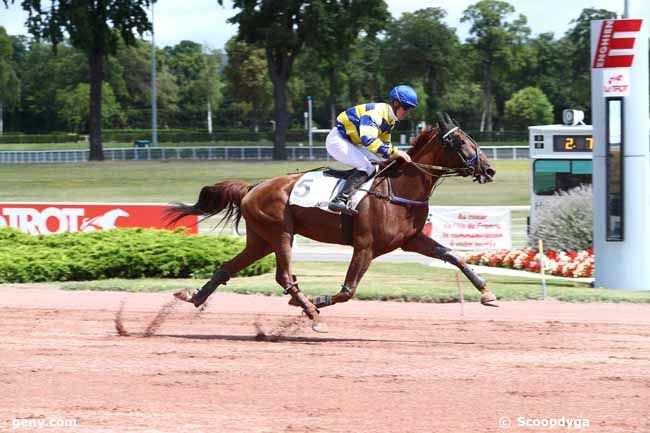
(337, 206)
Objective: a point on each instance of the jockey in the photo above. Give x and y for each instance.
(362, 134)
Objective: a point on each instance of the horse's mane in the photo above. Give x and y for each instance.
(425, 137)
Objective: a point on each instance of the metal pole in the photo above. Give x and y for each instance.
(626, 9)
(154, 105)
(309, 131)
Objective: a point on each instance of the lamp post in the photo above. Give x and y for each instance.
(154, 95)
(309, 128)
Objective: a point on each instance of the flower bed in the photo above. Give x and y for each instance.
(561, 263)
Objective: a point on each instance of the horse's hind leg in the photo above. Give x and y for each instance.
(255, 249)
(423, 244)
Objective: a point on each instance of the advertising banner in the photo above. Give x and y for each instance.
(50, 218)
(470, 229)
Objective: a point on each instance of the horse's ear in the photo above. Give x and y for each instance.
(442, 123)
(450, 121)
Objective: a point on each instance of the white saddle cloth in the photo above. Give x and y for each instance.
(314, 189)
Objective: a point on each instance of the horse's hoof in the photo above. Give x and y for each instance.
(319, 326)
(184, 295)
(489, 300)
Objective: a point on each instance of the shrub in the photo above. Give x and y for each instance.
(528, 106)
(568, 224)
(119, 253)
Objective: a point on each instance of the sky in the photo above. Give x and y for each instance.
(204, 21)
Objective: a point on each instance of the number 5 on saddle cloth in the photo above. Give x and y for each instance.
(317, 188)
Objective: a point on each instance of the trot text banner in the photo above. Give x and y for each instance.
(50, 218)
(471, 229)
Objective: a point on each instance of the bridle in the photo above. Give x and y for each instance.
(453, 142)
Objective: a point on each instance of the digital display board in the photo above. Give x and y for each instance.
(573, 143)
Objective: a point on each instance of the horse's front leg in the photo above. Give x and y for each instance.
(423, 244)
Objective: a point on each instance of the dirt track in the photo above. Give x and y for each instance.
(384, 367)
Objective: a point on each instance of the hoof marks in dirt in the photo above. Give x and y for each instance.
(286, 328)
(153, 326)
(119, 326)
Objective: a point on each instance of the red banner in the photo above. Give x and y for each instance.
(49, 218)
(615, 47)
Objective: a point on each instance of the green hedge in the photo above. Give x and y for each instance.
(202, 136)
(118, 253)
(18, 138)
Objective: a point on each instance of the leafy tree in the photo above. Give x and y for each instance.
(578, 40)
(93, 26)
(493, 39)
(367, 81)
(42, 73)
(339, 23)
(9, 83)
(132, 65)
(528, 106)
(248, 81)
(419, 45)
(278, 27)
(282, 27)
(74, 107)
(197, 72)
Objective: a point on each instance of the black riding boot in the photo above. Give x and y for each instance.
(352, 183)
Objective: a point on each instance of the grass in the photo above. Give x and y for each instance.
(406, 282)
(165, 181)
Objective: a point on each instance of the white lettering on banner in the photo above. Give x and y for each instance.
(56, 220)
(469, 229)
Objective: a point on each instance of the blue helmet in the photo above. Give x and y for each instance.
(405, 95)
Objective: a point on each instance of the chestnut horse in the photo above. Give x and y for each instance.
(391, 216)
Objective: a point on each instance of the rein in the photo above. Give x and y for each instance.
(428, 170)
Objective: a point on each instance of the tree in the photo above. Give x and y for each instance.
(9, 83)
(197, 71)
(529, 106)
(282, 27)
(93, 26)
(279, 27)
(493, 39)
(579, 44)
(247, 80)
(419, 45)
(132, 65)
(339, 24)
(74, 107)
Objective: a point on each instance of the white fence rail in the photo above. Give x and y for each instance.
(225, 153)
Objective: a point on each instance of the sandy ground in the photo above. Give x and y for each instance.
(251, 364)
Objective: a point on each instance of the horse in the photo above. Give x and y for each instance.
(391, 216)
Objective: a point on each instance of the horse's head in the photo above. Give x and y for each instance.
(461, 152)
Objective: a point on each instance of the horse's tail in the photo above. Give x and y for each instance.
(227, 194)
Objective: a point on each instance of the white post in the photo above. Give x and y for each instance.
(154, 90)
(209, 117)
(621, 179)
(309, 131)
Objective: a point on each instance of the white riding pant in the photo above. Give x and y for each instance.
(342, 150)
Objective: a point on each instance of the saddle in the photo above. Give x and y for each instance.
(317, 188)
